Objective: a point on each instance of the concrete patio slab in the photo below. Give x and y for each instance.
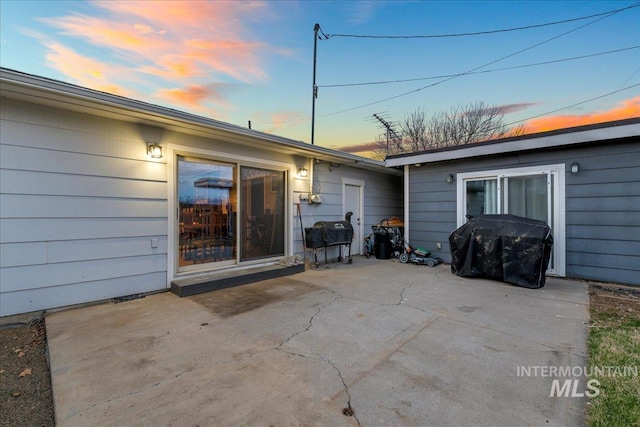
(390, 343)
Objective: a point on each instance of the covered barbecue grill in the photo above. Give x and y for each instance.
(508, 248)
(330, 233)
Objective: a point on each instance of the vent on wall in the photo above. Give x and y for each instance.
(126, 298)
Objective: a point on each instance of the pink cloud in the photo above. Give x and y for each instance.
(188, 44)
(218, 16)
(85, 71)
(508, 108)
(194, 96)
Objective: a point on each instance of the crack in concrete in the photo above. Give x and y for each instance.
(295, 334)
(131, 393)
(321, 357)
(405, 289)
(346, 388)
(384, 304)
(279, 347)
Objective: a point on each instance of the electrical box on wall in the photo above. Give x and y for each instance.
(314, 199)
(304, 198)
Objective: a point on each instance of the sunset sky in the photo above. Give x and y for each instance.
(237, 61)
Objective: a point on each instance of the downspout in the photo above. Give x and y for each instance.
(311, 173)
(406, 203)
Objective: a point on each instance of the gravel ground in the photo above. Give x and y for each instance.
(25, 383)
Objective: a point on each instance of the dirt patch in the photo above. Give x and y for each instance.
(25, 382)
(614, 303)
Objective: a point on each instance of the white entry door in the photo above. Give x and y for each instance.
(352, 202)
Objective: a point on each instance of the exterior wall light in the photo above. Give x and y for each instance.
(303, 172)
(575, 168)
(450, 178)
(154, 150)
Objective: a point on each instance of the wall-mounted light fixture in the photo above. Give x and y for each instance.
(575, 167)
(303, 172)
(450, 178)
(154, 150)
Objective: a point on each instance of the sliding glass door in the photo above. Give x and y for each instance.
(227, 213)
(262, 213)
(207, 209)
(526, 192)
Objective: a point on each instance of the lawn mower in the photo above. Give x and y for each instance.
(418, 256)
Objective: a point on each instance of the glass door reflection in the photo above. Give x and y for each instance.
(207, 195)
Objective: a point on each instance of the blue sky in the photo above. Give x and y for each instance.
(241, 61)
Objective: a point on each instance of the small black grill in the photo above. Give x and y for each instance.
(330, 233)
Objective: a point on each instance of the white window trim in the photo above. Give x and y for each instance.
(175, 150)
(558, 174)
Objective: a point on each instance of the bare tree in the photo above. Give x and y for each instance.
(388, 145)
(475, 122)
(467, 124)
(415, 136)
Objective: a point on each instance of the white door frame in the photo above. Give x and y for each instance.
(555, 172)
(173, 151)
(356, 247)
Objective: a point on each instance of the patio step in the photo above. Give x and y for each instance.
(214, 281)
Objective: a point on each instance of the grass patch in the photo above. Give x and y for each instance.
(614, 341)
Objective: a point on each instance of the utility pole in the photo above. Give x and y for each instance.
(315, 88)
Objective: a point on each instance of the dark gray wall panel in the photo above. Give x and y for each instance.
(602, 204)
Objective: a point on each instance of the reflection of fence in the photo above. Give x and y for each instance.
(205, 236)
(206, 250)
(214, 224)
(205, 223)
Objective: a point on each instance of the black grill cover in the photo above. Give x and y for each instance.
(328, 233)
(508, 248)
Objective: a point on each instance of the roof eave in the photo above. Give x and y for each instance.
(15, 84)
(603, 132)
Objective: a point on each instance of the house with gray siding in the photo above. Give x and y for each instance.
(105, 197)
(583, 181)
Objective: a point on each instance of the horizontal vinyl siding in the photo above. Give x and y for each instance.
(432, 208)
(382, 200)
(79, 293)
(602, 206)
(603, 214)
(80, 203)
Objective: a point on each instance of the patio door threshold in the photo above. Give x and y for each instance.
(220, 280)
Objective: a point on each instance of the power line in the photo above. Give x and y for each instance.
(466, 72)
(480, 33)
(575, 105)
(481, 72)
(453, 76)
(523, 121)
(623, 83)
(569, 106)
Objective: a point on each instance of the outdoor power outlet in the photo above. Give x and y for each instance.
(304, 197)
(154, 243)
(439, 245)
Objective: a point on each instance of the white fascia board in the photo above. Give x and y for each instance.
(534, 143)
